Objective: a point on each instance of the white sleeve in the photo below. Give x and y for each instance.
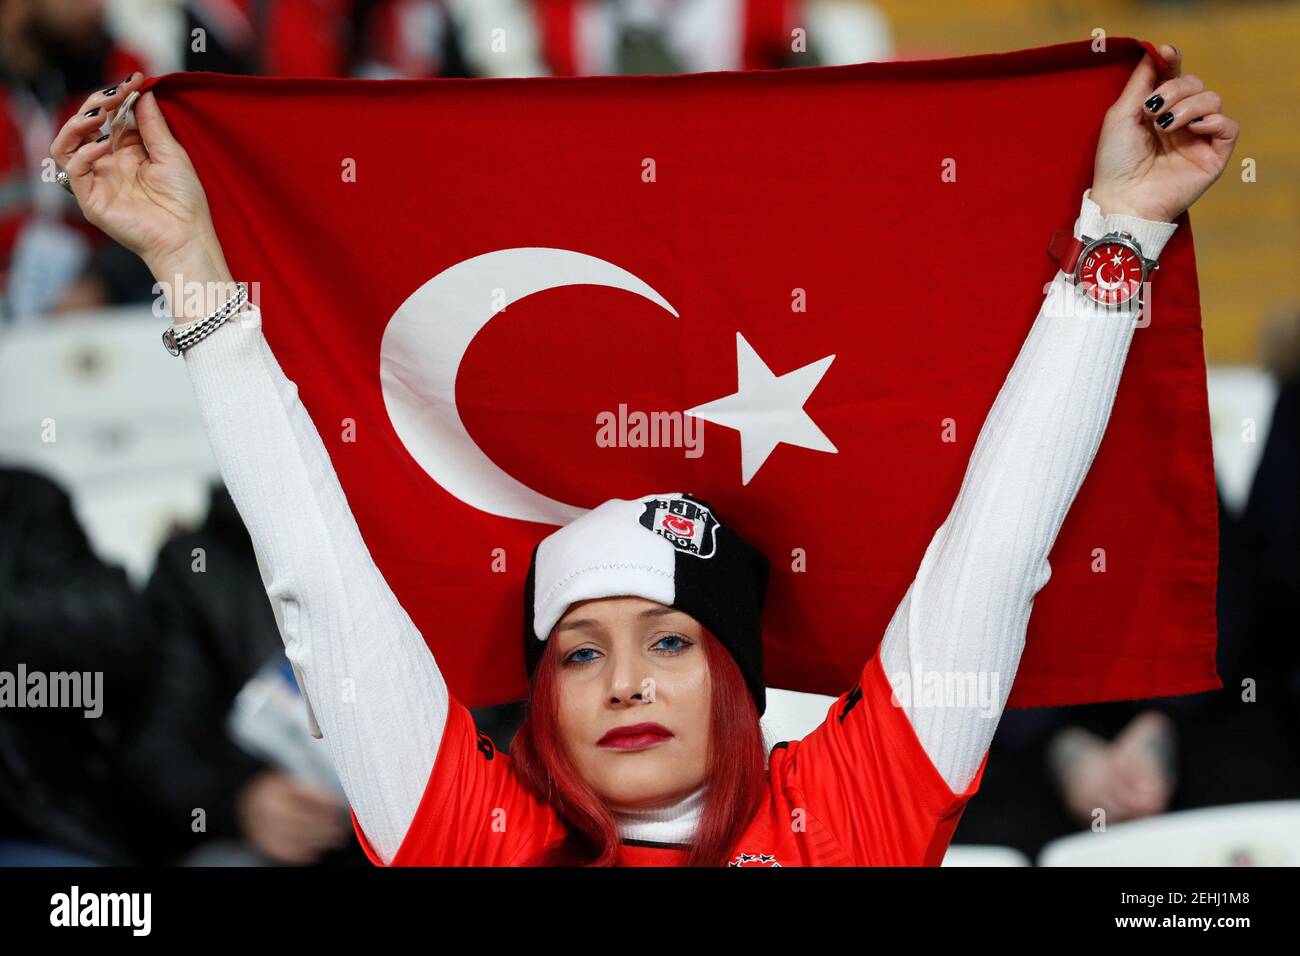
(377, 694)
(964, 616)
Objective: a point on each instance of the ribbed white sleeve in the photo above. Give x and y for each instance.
(953, 645)
(378, 696)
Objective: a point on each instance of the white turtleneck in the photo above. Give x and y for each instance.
(674, 823)
(965, 612)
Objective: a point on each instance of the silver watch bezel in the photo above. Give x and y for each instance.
(1122, 238)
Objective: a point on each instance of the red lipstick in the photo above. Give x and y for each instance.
(635, 736)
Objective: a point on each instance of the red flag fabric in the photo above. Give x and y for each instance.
(603, 249)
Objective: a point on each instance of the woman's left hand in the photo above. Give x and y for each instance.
(1154, 172)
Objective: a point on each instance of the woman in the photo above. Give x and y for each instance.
(642, 743)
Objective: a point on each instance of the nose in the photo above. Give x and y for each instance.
(627, 681)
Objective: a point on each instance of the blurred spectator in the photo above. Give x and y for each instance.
(63, 612)
(53, 54)
(583, 38)
(406, 39)
(1271, 521)
(1279, 344)
(403, 39)
(215, 631)
(223, 36)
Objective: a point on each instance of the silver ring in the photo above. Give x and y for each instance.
(61, 177)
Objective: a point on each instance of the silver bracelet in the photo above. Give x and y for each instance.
(180, 338)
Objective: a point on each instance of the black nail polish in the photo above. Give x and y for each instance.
(1197, 120)
(92, 112)
(108, 92)
(1154, 103)
(102, 138)
(1164, 119)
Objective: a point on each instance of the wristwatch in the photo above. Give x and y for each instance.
(1110, 269)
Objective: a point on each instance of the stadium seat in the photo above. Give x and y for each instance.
(128, 443)
(972, 855)
(1249, 834)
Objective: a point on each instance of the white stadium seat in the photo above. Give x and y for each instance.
(972, 855)
(129, 445)
(1248, 834)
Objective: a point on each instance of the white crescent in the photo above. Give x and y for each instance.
(1108, 286)
(425, 342)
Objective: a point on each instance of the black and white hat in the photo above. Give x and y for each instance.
(671, 549)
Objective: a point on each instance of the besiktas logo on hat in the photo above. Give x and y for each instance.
(688, 525)
(607, 553)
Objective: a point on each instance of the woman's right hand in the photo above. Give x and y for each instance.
(138, 186)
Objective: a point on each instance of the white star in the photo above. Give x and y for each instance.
(767, 409)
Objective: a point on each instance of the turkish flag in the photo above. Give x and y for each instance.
(486, 289)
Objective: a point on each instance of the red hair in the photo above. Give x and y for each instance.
(735, 772)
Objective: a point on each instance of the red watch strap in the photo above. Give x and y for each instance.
(1066, 249)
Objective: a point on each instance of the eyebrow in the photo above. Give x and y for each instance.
(589, 622)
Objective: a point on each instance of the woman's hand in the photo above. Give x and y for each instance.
(1154, 172)
(139, 185)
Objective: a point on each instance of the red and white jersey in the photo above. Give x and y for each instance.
(859, 790)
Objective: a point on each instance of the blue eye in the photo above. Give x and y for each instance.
(575, 659)
(681, 645)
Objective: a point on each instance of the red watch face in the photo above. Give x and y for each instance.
(1111, 274)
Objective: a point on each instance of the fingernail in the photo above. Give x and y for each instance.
(1176, 53)
(1165, 119)
(92, 112)
(102, 138)
(1197, 120)
(1154, 103)
(108, 92)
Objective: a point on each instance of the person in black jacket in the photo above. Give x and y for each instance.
(63, 611)
(215, 630)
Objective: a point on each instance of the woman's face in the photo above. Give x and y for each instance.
(625, 661)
